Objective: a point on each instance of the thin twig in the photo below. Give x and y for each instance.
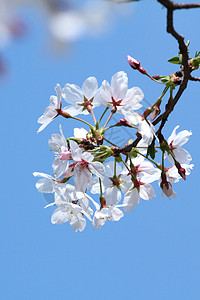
(171, 6)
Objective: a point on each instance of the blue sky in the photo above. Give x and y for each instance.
(153, 252)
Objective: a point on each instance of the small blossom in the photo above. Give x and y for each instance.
(84, 167)
(47, 184)
(112, 185)
(58, 145)
(142, 173)
(175, 141)
(52, 111)
(118, 96)
(81, 100)
(72, 207)
(72, 213)
(112, 213)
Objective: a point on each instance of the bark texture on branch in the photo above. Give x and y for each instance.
(171, 6)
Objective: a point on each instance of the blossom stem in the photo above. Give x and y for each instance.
(92, 113)
(118, 125)
(75, 118)
(125, 165)
(103, 114)
(164, 92)
(115, 168)
(108, 119)
(154, 79)
(151, 160)
(161, 96)
(101, 191)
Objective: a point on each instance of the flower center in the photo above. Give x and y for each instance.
(82, 164)
(115, 181)
(171, 147)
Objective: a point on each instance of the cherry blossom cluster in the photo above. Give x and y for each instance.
(88, 165)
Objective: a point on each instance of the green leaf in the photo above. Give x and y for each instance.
(197, 54)
(175, 60)
(151, 150)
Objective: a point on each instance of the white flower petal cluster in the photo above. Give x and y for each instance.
(84, 165)
(144, 174)
(81, 98)
(51, 111)
(118, 95)
(175, 141)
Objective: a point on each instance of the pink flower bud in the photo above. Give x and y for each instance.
(134, 63)
(63, 113)
(124, 122)
(157, 77)
(181, 170)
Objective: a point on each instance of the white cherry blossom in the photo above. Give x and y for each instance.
(118, 96)
(58, 145)
(174, 176)
(48, 183)
(112, 213)
(72, 213)
(72, 206)
(84, 167)
(81, 99)
(175, 141)
(51, 111)
(133, 196)
(143, 173)
(113, 186)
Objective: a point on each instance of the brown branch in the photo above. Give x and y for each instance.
(127, 148)
(186, 6)
(194, 78)
(171, 7)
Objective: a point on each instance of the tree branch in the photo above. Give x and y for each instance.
(171, 7)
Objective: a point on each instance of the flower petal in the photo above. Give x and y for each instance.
(131, 199)
(147, 192)
(72, 94)
(119, 85)
(90, 87)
